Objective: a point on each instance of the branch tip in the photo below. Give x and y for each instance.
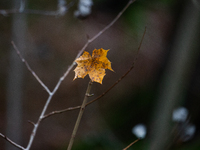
(31, 122)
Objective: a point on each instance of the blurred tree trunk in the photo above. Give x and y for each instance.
(15, 80)
(176, 76)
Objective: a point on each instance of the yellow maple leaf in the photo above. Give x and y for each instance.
(94, 65)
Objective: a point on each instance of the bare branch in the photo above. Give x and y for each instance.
(132, 66)
(11, 142)
(22, 5)
(110, 88)
(28, 11)
(79, 116)
(29, 68)
(110, 24)
(100, 96)
(91, 40)
(36, 125)
(61, 111)
(62, 10)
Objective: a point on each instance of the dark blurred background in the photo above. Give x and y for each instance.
(166, 76)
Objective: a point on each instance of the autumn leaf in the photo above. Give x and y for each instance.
(94, 65)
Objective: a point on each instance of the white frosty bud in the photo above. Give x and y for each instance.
(180, 114)
(62, 8)
(188, 132)
(84, 8)
(139, 131)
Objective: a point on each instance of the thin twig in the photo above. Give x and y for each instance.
(111, 87)
(61, 111)
(36, 125)
(29, 68)
(11, 142)
(100, 96)
(80, 115)
(86, 44)
(91, 40)
(132, 66)
(131, 144)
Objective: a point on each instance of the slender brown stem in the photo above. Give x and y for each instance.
(131, 144)
(80, 115)
(100, 96)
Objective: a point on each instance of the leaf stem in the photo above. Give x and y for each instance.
(80, 115)
(131, 144)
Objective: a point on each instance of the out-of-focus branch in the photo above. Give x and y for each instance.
(7, 12)
(22, 5)
(15, 80)
(177, 75)
(62, 10)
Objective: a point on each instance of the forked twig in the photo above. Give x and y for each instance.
(94, 38)
(41, 117)
(81, 51)
(132, 66)
(29, 68)
(111, 87)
